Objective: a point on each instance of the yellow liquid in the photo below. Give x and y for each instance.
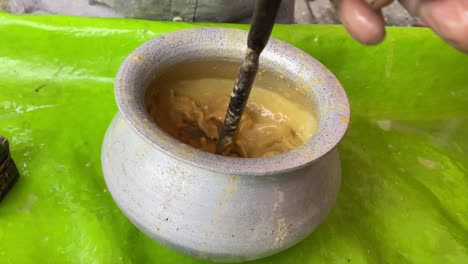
(189, 102)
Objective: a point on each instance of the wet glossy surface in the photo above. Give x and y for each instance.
(190, 101)
(403, 196)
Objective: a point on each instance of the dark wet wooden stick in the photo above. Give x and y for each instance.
(259, 34)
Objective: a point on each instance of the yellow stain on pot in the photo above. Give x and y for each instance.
(277, 204)
(138, 58)
(329, 108)
(282, 231)
(216, 216)
(225, 197)
(121, 123)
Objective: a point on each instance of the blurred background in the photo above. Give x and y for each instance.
(294, 11)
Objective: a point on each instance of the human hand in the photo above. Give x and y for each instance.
(448, 18)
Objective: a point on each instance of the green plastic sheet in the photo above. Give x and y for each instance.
(404, 193)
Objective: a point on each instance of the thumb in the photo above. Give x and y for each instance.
(447, 18)
(364, 23)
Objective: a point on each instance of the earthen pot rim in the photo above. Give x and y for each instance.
(138, 69)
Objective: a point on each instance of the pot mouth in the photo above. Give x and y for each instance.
(200, 44)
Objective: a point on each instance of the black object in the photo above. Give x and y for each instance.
(259, 34)
(8, 172)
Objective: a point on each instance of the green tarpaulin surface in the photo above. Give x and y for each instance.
(404, 193)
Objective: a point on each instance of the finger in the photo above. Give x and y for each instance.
(378, 4)
(448, 18)
(365, 24)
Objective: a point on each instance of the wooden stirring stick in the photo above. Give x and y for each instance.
(259, 34)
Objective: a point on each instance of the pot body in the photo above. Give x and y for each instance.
(216, 216)
(210, 206)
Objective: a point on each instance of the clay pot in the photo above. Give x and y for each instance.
(215, 207)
